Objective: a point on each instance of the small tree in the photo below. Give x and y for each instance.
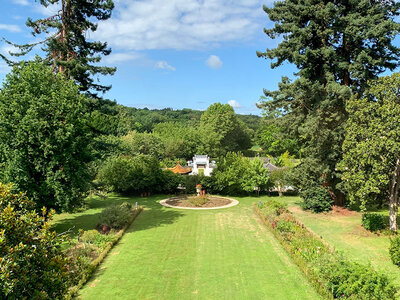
(44, 138)
(371, 161)
(32, 264)
(256, 177)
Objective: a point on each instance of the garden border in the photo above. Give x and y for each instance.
(233, 203)
(87, 274)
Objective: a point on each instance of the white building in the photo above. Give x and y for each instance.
(201, 165)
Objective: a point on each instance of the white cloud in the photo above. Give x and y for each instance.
(9, 27)
(21, 2)
(234, 104)
(214, 62)
(181, 24)
(4, 68)
(162, 64)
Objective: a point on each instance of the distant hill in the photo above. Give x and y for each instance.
(108, 117)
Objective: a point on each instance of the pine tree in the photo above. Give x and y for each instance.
(66, 46)
(337, 46)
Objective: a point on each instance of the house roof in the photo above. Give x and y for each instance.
(178, 169)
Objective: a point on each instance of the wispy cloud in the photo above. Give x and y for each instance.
(181, 24)
(234, 104)
(21, 2)
(115, 58)
(9, 27)
(214, 62)
(162, 64)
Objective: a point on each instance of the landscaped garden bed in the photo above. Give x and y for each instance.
(332, 274)
(203, 201)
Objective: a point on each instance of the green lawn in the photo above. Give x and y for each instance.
(347, 235)
(185, 254)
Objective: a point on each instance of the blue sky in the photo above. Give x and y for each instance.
(175, 53)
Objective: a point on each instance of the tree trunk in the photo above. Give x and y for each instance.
(394, 197)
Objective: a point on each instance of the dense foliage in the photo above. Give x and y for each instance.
(222, 131)
(237, 174)
(394, 250)
(332, 275)
(115, 216)
(32, 264)
(316, 199)
(337, 46)
(373, 221)
(371, 160)
(44, 138)
(67, 47)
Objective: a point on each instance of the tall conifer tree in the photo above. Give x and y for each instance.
(66, 46)
(337, 46)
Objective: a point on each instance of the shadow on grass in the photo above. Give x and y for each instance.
(154, 215)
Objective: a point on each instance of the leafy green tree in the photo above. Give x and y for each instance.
(256, 177)
(221, 131)
(337, 46)
(179, 140)
(274, 142)
(32, 264)
(371, 160)
(135, 143)
(44, 138)
(66, 45)
(131, 174)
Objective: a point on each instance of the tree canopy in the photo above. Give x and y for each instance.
(371, 160)
(44, 138)
(337, 46)
(67, 48)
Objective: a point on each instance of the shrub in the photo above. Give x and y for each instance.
(394, 250)
(373, 221)
(126, 205)
(32, 264)
(316, 199)
(114, 217)
(277, 207)
(96, 238)
(285, 226)
(351, 280)
(198, 200)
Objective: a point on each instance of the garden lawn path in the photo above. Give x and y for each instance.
(186, 254)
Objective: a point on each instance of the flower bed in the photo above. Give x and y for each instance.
(332, 275)
(92, 247)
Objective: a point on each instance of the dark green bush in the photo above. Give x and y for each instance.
(316, 199)
(394, 250)
(114, 217)
(351, 280)
(373, 221)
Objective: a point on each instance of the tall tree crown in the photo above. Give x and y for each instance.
(66, 46)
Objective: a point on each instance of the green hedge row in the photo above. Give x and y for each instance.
(331, 274)
(96, 262)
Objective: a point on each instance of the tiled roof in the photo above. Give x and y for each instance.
(178, 169)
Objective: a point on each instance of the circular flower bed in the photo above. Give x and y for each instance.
(199, 202)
